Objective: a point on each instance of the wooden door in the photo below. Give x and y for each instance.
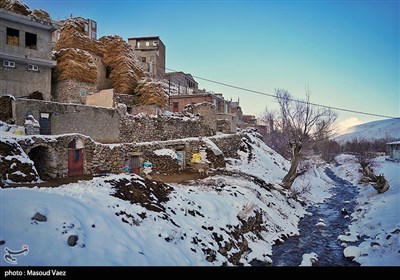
(135, 165)
(75, 162)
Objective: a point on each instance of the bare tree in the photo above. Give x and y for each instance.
(301, 122)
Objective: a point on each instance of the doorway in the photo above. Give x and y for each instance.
(75, 158)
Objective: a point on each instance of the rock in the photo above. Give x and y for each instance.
(373, 243)
(93, 226)
(39, 217)
(2, 242)
(72, 239)
(351, 252)
(344, 212)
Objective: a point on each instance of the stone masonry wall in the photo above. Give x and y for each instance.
(71, 91)
(102, 124)
(141, 129)
(112, 157)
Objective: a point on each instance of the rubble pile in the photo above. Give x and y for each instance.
(72, 35)
(150, 92)
(125, 69)
(15, 6)
(75, 64)
(18, 7)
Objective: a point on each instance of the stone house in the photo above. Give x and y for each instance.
(151, 53)
(394, 150)
(181, 80)
(25, 55)
(178, 102)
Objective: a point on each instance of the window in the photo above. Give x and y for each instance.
(138, 45)
(143, 59)
(8, 63)
(30, 40)
(93, 24)
(108, 72)
(147, 44)
(155, 43)
(12, 36)
(32, 67)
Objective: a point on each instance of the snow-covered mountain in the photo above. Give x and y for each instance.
(372, 131)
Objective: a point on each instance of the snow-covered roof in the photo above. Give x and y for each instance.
(393, 143)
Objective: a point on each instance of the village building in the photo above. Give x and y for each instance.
(25, 55)
(151, 53)
(181, 80)
(394, 150)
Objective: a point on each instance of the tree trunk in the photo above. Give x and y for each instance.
(292, 174)
(378, 182)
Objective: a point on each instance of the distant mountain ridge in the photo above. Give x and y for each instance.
(384, 129)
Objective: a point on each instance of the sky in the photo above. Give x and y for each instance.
(346, 52)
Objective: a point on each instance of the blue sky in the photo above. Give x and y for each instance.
(346, 51)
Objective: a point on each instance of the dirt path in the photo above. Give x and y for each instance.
(53, 183)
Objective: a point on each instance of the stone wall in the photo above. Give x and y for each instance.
(72, 91)
(160, 128)
(228, 143)
(50, 154)
(102, 124)
(226, 123)
(6, 114)
(127, 99)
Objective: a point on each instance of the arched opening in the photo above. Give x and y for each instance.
(43, 162)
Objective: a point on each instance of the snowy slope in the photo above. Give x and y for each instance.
(224, 219)
(377, 216)
(373, 130)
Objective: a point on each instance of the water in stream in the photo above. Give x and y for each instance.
(321, 240)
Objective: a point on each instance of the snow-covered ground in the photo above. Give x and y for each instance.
(377, 216)
(224, 219)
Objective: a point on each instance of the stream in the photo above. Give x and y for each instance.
(319, 239)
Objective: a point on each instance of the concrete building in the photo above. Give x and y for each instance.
(25, 55)
(394, 150)
(181, 79)
(151, 53)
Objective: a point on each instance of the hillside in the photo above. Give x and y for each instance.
(233, 217)
(372, 131)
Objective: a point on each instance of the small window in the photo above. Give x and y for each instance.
(138, 45)
(155, 43)
(147, 44)
(93, 24)
(30, 41)
(32, 67)
(12, 36)
(175, 106)
(8, 63)
(143, 59)
(108, 72)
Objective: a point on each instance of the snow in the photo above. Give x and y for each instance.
(195, 214)
(351, 252)
(166, 152)
(309, 259)
(377, 216)
(320, 224)
(382, 129)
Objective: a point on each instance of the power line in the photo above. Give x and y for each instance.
(291, 99)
